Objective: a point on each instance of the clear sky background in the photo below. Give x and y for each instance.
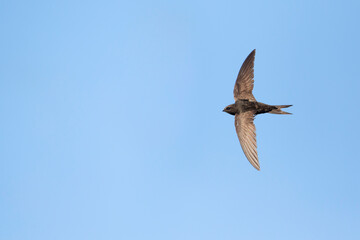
(112, 126)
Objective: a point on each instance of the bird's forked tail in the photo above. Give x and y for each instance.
(278, 109)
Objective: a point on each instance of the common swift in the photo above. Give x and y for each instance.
(246, 108)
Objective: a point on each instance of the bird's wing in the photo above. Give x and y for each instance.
(246, 131)
(245, 80)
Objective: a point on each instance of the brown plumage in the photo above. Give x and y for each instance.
(246, 108)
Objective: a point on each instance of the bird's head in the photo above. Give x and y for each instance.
(231, 109)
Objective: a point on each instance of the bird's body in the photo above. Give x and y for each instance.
(244, 105)
(246, 108)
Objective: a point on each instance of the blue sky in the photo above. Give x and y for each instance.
(112, 124)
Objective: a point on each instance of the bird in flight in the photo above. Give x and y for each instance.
(246, 108)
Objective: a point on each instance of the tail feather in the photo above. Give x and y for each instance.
(278, 109)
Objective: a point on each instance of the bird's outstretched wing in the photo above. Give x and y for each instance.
(245, 80)
(246, 131)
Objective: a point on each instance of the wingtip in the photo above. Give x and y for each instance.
(256, 166)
